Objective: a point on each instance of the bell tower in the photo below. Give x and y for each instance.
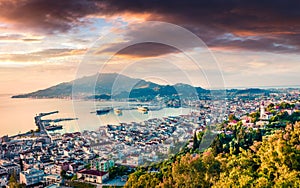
(262, 110)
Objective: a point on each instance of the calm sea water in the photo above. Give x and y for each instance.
(17, 115)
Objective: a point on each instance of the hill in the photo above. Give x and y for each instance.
(112, 85)
(117, 86)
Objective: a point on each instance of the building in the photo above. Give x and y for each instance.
(53, 169)
(262, 110)
(11, 168)
(3, 171)
(31, 176)
(50, 179)
(263, 114)
(102, 164)
(94, 176)
(3, 177)
(76, 166)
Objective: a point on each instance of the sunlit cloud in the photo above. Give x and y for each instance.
(38, 56)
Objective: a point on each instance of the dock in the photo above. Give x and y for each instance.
(44, 124)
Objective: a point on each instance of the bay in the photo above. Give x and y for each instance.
(17, 115)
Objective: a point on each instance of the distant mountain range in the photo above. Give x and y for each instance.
(117, 86)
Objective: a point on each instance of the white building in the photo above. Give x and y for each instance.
(53, 169)
(93, 176)
(263, 114)
(11, 168)
(31, 176)
(50, 179)
(3, 177)
(262, 110)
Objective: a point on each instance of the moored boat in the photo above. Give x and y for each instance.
(104, 110)
(143, 109)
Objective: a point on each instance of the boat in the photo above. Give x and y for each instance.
(104, 110)
(118, 111)
(143, 109)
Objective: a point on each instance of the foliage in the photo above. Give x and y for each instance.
(285, 105)
(13, 183)
(243, 159)
(118, 171)
(232, 117)
(74, 177)
(284, 117)
(88, 166)
(195, 141)
(254, 116)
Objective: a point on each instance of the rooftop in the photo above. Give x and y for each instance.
(93, 172)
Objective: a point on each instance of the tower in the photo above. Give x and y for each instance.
(262, 110)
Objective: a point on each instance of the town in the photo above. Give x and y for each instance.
(44, 158)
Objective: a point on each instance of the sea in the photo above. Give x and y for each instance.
(17, 114)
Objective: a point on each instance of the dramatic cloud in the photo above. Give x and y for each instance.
(43, 15)
(276, 24)
(273, 25)
(146, 50)
(139, 40)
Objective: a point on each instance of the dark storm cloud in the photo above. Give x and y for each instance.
(141, 50)
(44, 15)
(274, 25)
(139, 40)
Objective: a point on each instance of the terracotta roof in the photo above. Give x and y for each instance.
(93, 172)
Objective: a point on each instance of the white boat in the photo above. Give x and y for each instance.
(142, 109)
(117, 111)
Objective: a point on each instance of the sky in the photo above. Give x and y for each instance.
(248, 43)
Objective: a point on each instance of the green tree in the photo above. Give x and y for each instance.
(13, 183)
(195, 141)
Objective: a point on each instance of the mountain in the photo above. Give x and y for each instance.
(112, 85)
(117, 86)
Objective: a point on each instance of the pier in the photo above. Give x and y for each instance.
(43, 124)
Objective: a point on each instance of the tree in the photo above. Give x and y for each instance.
(251, 161)
(255, 116)
(195, 141)
(74, 177)
(189, 171)
(270, 107)
(13, 183)
(232, 117)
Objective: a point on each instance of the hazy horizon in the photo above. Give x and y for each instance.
(228, 87)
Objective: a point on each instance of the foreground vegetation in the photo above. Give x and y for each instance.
(247, 159)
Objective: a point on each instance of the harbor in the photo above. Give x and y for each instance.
(27, 110)
(45, 125)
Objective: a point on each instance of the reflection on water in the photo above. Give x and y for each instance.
(16, 115)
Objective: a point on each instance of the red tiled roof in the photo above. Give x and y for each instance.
(93, 172)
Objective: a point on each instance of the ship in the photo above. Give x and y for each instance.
(104, 110)
(143, 109)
